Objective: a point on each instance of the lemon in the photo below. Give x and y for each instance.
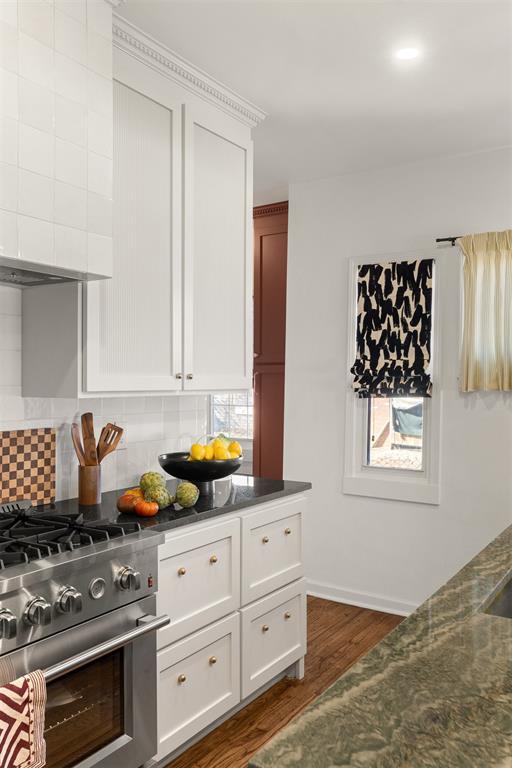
(233, 455)
(208, 452)
(221, 453)
(235, 448)
(197, 452)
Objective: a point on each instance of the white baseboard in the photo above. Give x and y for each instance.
(361, 599)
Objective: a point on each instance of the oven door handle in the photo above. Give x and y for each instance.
(146, 624)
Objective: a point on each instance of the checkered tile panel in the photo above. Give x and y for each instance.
(28, 465)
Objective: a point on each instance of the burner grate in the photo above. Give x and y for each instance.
(26, 534)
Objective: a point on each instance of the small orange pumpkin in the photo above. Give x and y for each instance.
(145, 508)
(126, 503)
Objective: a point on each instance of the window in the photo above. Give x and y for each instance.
(392, 426)
(394, 437)
(232, 414)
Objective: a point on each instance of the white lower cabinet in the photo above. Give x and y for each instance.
(271, 547)
(198, 681)
(237, 604)
(199, 574)
(273, 635)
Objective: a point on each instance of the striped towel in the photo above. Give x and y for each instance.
(22, 706)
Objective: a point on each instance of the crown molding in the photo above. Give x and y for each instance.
(132, 40)
(115, 3)
(270, 210)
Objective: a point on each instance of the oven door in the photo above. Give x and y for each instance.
(101, 685)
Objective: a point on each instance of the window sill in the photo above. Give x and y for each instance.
(378, 486)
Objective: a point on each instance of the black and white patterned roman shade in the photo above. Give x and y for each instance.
(394, 321)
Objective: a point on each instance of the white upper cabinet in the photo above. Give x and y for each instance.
(133, 322)
(217, 256)
(177, 313)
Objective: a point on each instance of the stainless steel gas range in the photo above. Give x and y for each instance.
(77, 600)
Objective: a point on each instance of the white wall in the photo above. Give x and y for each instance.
(153, 424)
(384, 553)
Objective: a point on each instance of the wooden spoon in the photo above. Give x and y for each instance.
(91, 454)
(77, 442)
(109, 440)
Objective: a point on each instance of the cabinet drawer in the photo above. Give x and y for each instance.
(271, 548)
(198, 681)
(273, 635)
(199, 578)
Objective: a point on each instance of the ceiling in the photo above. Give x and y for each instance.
(337, 100)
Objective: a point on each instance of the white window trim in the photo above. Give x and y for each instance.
(420, 486)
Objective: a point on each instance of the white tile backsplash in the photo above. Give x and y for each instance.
(70, 163)
(35, 18)
(70, 247)
(35, 195)
(100, 134)
(99, 215)
(70, 79)
(8, 140)
(36, 150)
(35, 240)
(77, 9)
(9, 12)
(8, 187)
(153, 425)
(70, 37)
(70, 121)
(99, 53)
(8, 234)
(36, 105)
(100, 260)
(36, 61)
(99, 177)
(8, 47)
(99, 17)
(8, 94)
(70, 206)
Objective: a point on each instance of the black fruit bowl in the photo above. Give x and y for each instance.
(201, 473)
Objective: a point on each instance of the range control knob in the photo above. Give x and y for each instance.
(38, 612)
(8, 624)
(69, 600)
(128, 578)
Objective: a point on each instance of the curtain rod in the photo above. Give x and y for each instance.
(451, 240)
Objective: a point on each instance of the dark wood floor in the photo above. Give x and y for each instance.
(337, 636)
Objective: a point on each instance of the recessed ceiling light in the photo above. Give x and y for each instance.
(407, 54)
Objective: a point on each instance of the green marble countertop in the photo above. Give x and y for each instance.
(435, 693)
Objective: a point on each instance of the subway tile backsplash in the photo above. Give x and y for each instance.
(152, 425)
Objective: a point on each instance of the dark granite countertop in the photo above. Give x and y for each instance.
(435, 693)
(238, 492)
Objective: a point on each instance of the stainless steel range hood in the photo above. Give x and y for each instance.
(28, 276)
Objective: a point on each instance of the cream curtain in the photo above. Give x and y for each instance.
(487, 336)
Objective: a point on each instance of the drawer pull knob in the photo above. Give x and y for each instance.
(212, 660)
(265, 540)
(182, 679)
(287, 531)
(214, 559)
(182, 571)
(287, 615)
(265, 628)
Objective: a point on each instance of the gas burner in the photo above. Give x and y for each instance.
(26, 534)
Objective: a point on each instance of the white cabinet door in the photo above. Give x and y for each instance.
(217, 254)
(199, 574)
(198, 681)
(272, 547)
(133, 322)
(273, 635)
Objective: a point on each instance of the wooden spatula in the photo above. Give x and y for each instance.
(91, 454)
(109, 440)
(77, 442)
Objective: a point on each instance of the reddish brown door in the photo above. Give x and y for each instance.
(270, 254)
